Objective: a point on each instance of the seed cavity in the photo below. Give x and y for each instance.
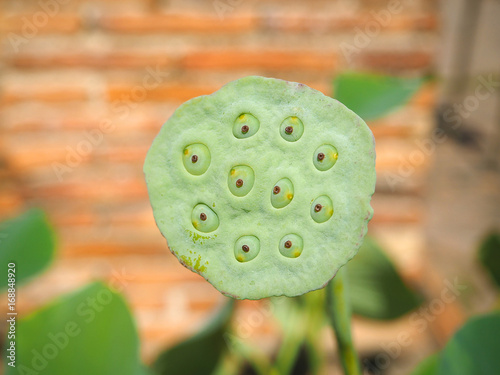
(282, 193)
(291, 245)
(291, 129)
(322, 209)
(245, 126)
(240, 180)
(196, 158)
(204, 218)
(325, 157)
(246, 248)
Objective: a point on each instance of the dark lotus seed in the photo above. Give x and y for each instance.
(245, 129)
(289, 130)
(321, 156)
(239, 182)
(276, 190)
(318, 207)
(194, 158)
(245, 248)
(203, 216)
(288, 244)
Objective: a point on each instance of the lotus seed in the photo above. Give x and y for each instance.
(282, 193)
(204, 218)
(196, 158)
(240, 180)
(258, 190)
(245, 126)
(246, 248)
(322, 209)
(325, 157)
(291, 245)
(291, 129)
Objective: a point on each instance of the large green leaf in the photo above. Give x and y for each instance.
(376, 289)
(489, 256)
(474, 349)
(88, 332)
(28, 242)
(373, 96)
(428, 366)
(200, 354)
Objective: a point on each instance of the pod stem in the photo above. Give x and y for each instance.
(339, 314)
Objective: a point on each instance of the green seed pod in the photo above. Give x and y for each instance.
(196, 158)
(291, 246)
(291, 129)
(325, 239)
(325, 157)
(246, 248)
(282, 193)
(240, 180)
(245, 126)
(204, 218)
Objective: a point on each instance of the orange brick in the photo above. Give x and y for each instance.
(189, 23)
(251, 59)
(60, 23)
(396, 60)
(42, 94)
(175, 92)
(110, 60)
(97, 249)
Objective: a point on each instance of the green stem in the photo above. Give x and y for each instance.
(339, 313)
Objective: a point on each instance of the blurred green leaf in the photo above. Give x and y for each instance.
(428, 366)
(28, 241)
(88, 332)
(489, 256)
(200, 354)
(376, 289)
(473, 350)
(373, 96)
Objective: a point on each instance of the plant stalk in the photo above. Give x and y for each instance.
(339, 313)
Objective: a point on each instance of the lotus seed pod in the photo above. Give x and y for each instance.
(283, 198)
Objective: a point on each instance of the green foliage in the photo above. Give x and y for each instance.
(489, 256)
(473, 350)
(376, 289)
(88, 332)
(373, 96)
(28, 241)
(428, 366)
(200, 354)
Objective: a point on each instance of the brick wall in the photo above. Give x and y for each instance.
(86, 86)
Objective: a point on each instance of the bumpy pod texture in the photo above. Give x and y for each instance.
(264, 187)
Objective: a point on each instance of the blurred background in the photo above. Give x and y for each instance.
(86, 85)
